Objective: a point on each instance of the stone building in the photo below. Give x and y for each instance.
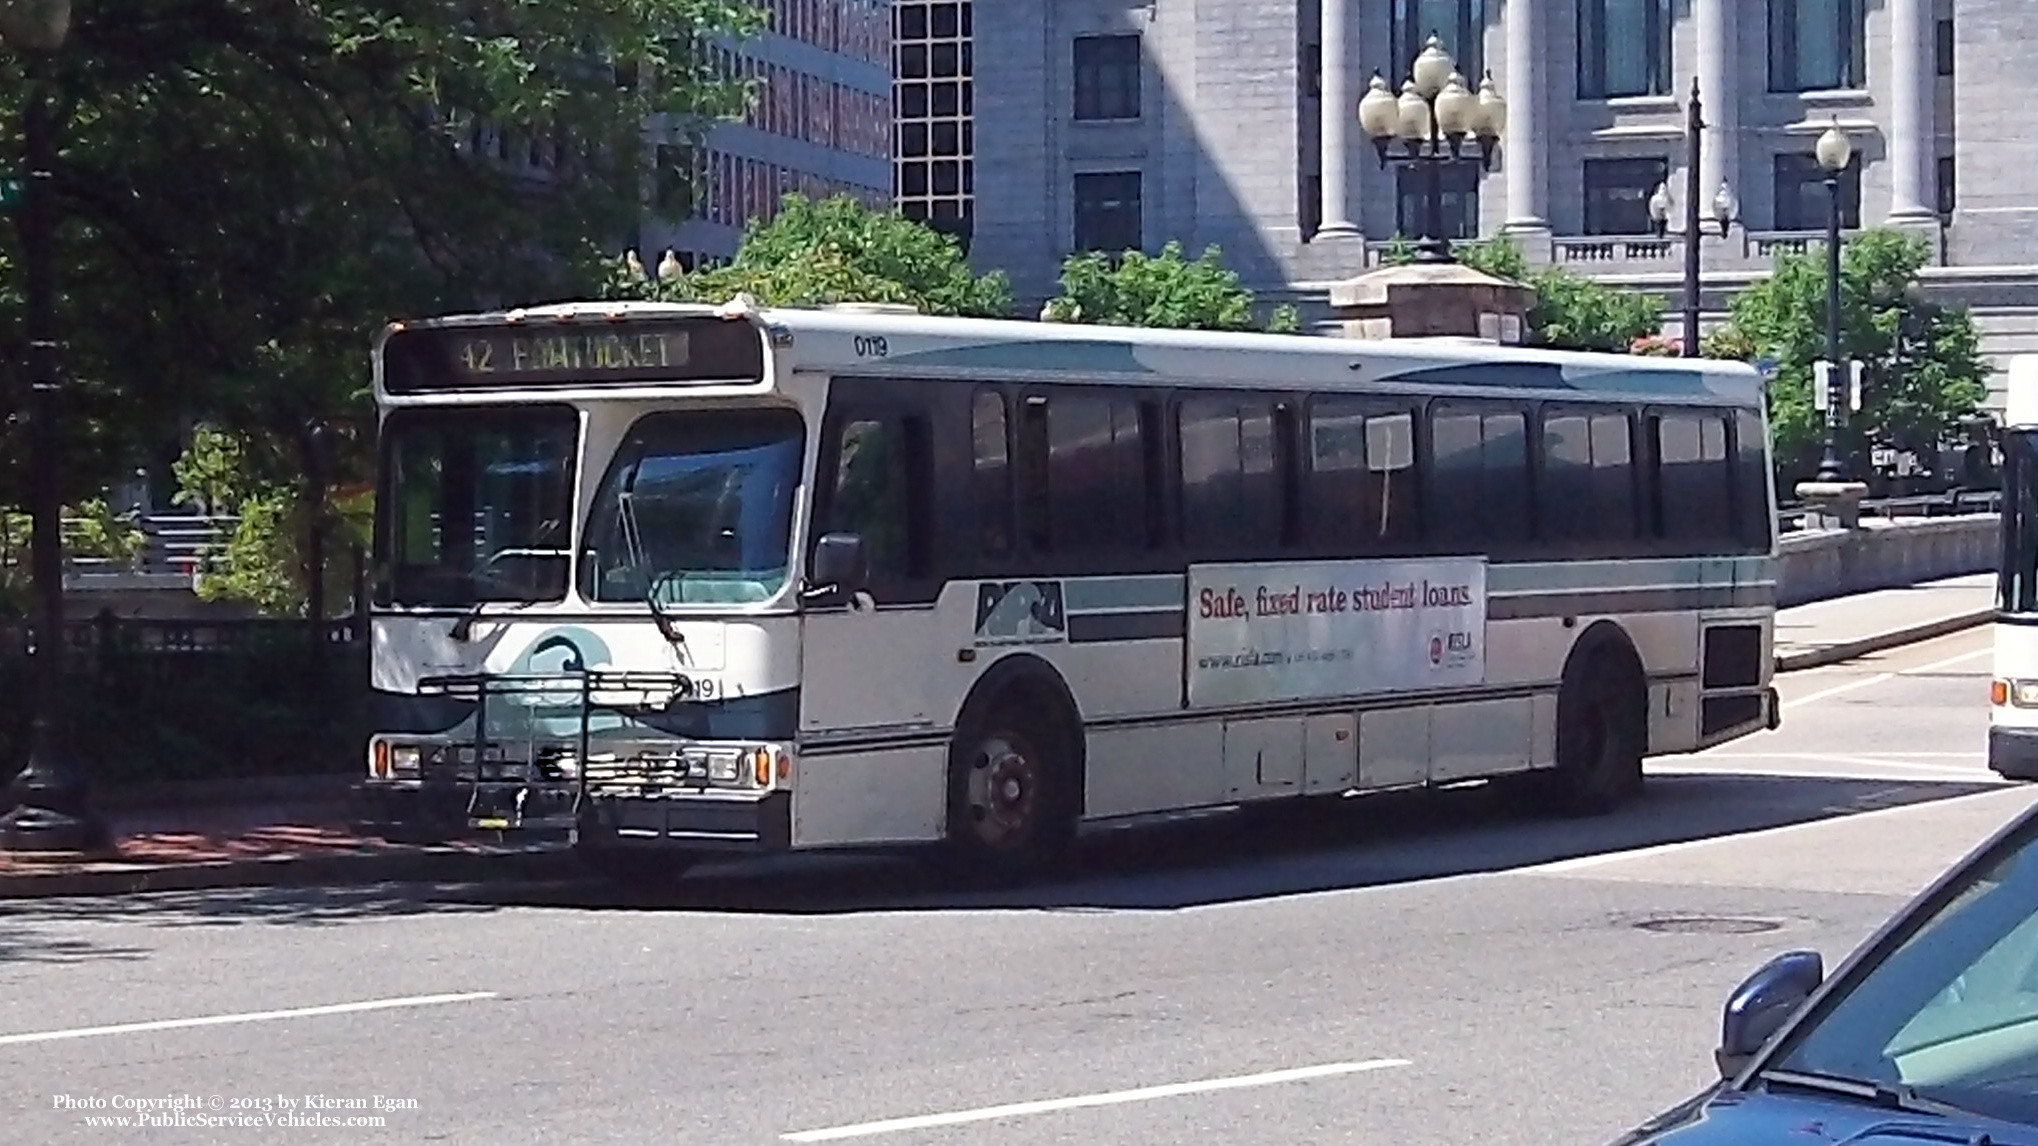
(1038, 127)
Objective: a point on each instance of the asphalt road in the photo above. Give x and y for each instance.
(1410, 971)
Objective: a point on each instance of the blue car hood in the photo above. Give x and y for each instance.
(1721, 1117)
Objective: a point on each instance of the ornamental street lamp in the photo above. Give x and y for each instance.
(1725, 210)
(51, 811)
(1834, 152)
(1431, 123)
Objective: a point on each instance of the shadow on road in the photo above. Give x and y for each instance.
(1241, 856)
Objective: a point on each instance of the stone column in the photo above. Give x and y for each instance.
(1524, 156)
(1339, 114)
(1911, 149)
(1717, 88)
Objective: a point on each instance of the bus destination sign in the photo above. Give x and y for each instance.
(571, 355)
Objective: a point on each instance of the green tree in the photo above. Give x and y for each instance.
(1571, 312)
(834, 250)
(264, 561)
(248, 189)
(92, 529)
(1922, 364)
(1165, 290)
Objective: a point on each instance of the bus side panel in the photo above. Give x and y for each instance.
(888, 795)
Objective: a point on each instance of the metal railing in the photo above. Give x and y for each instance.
(1795, 517)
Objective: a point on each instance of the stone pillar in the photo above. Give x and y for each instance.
(1437, 300)
(1717, 86)
(1524, 158)
(1911, 148)
(1339, 113)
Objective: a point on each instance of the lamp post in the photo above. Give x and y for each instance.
(1834, 152)
(51, 812)
(1725, 209)
(1432, 122)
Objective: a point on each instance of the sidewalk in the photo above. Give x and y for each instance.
(308, 843)
(259, 845)
(1827, 632)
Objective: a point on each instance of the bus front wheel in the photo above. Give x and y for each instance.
(1602, 735)
(1012, 807)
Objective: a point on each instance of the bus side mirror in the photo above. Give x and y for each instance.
(839, 565)
(1761, 1005)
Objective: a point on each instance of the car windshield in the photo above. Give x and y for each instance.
(698, 506)
(1951, 1014)
(508, 472)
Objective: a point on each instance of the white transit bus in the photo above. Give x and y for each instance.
(688, 580)
(2013, 693)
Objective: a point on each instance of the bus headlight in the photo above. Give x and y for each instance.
(405, 761)
(2024, 693)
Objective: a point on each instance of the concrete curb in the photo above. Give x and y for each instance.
(1894, 638)
(420, 866)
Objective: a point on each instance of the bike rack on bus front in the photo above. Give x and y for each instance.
(586, 689)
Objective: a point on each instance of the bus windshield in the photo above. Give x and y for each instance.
(697, 508)
(2017, 590)
(507, 471)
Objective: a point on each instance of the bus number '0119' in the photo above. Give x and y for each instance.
(870, 346)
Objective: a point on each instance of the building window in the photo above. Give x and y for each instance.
(1948, 196)
(1460, 24)
(1623, 48)
(1108, 212)
(1460, 201)
(934, 129)
(1816, 45)
(1617, 194)
(1942, 46)
(1107, 77)
(1801, 196)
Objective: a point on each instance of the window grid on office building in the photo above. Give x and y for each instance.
(934, 145)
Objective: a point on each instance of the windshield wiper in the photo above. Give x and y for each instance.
(464, 627)
(633, 548)
(1890, 1096)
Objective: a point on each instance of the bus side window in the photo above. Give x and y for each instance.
(1696, 477)
(991, 451)
(876, 495)
(1232, 491)
(1751, 476)
(1479, 466)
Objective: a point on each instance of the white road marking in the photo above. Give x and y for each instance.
(1839, 768)
(245, 1017)
(1885, 678)
(1580, 863)
(1718, 755)
(1112, 1098)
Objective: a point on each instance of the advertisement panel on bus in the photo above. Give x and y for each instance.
(1315, 630)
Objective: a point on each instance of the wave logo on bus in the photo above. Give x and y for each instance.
(1020, 613)
(563, 653)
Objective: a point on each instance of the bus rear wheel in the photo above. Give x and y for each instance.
(1011, 803)
(1602, 735)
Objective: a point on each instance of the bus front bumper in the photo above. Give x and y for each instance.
(744, 822)
(686, 820)
(2013, 752)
